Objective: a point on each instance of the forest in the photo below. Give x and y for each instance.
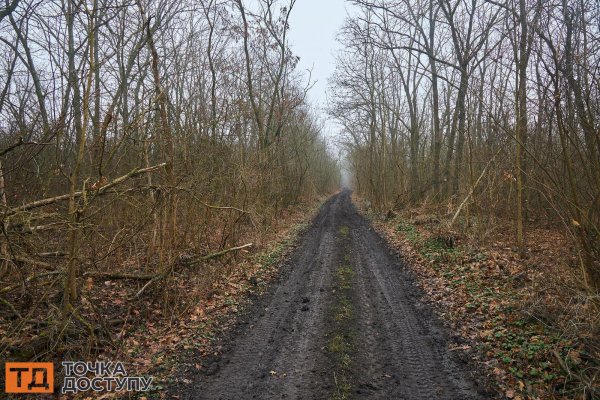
(137, 137)
(479, 118)
(159, 158)
(480, 104)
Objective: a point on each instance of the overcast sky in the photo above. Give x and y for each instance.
(313, 28)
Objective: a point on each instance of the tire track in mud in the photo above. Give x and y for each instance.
(343, 321)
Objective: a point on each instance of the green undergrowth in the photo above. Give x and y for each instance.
(431, 248)
(409, 231)
(522, 351)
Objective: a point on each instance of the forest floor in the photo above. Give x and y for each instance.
(344, 319)
(527, 323)
(351, 305)
(154, 332)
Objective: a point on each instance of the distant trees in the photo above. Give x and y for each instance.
(126, 126)
(490, 107)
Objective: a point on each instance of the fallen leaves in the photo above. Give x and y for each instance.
(490, 297)
(160, 346)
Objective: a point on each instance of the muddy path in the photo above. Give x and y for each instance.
(343, 321)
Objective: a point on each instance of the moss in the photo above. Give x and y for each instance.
(343, 388)
(344, 276)
(344, 310)
(341, 344)
(338, 344)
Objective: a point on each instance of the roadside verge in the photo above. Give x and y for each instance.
(502, 309)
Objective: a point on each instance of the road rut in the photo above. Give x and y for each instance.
(343, 321)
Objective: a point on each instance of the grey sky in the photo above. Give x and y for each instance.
(313, 28)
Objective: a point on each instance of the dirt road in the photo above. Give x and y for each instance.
(343, 321)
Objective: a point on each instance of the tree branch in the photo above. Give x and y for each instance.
(44, 202)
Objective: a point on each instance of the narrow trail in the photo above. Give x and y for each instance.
(343, 321)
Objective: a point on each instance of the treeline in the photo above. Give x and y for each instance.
(488, 108)
(134, 133)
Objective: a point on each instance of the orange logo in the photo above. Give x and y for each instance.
(29, 377)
